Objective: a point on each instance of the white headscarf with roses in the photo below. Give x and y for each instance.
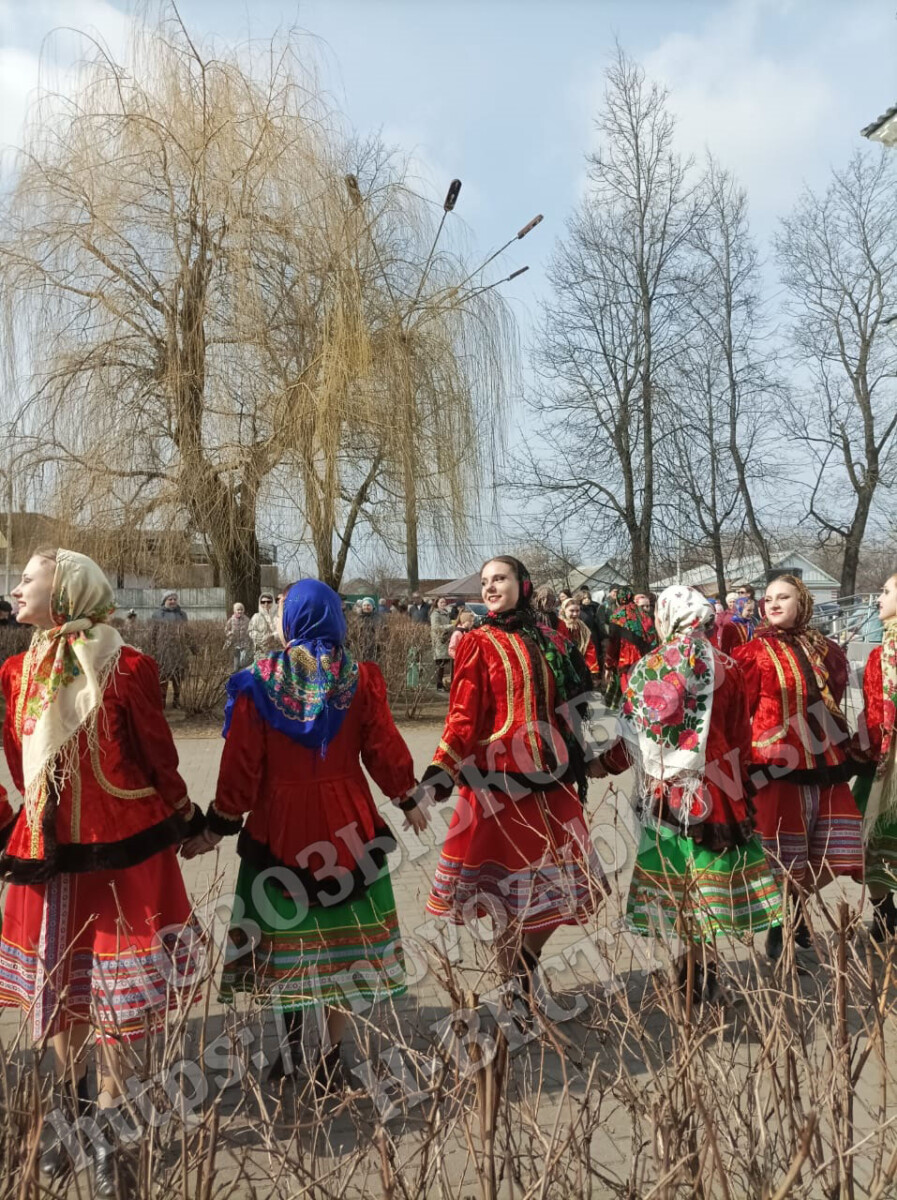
(667, 706)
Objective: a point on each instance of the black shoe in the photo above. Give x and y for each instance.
(774, 943)
(111, 1180)
(55, 1160)
(884, 918)
(525, 968)
(328, 1078)
(802, 938)
(293, 1022)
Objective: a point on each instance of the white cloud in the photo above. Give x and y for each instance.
(764, 113)
(776, 89)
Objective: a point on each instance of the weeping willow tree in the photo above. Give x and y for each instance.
(222, 299)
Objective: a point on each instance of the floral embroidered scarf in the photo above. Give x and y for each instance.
(882, 804)
(64, 676)
(305, 689)
(633, 622)
(667, 705)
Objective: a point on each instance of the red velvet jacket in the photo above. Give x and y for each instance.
(729, 635)
(502, 730)
(125, 800)
(870, 731)
(314, 817)
(727, 764)
(794, 735)
(621, 654)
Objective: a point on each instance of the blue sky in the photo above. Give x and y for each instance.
(503, 93)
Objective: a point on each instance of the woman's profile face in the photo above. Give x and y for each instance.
(887, 601)
(782, 603)
(34, 591)
(500, 587)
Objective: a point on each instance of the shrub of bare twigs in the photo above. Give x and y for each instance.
(624, 1090)
(403, 651)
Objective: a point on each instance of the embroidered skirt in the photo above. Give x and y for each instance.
(344, 955)
(528, 861)
(677, 885)
(881, 849)
(807, 829)
(115, 949)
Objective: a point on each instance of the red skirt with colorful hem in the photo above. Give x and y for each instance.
(115, 949)
(809, 827)
(528, 861)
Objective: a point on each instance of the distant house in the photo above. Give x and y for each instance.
(883, 129)
(390, 588)
(824, 587)
(467, 587)
(598, 578)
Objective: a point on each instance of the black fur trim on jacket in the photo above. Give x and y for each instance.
(822, 776)
(331, 889)
(221, 824)
(513, 784)
(80, 857)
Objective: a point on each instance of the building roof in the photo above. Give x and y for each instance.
(466, 588)
(607, 573)
(884, 128)
(750, 570)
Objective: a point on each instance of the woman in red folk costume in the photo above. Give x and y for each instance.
(318, 923)
(876, 790)
(574, 627)
(517, 849)
(795, 678)
(700, 870)
(630, 635)
(96, 928)
(739, 628)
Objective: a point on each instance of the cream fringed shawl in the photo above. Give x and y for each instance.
(64, 676)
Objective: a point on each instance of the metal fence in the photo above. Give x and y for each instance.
(200, 604)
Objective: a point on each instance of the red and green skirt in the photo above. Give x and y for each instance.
(527, 861)
(679, 886)
(343, 955)
(808, 829)
(113, 949)
(881, 849)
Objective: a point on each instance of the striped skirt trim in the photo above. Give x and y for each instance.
(678, 886)
(541, 896)
(114, 949)
(347, 955)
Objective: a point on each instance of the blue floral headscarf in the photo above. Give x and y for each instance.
(305, 689)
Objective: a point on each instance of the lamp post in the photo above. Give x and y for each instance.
(408, 312)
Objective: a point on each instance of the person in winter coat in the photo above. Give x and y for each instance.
(466, 622)
(237, 636)
(419, 610)
(263, 628)
(440, 632)
(170, 646)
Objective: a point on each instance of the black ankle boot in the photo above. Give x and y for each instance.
(109, 1180)
(75, 1103)
(525, 968)
(774, 943)
(293, 1022)
(884, 918)
(328, 1079)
